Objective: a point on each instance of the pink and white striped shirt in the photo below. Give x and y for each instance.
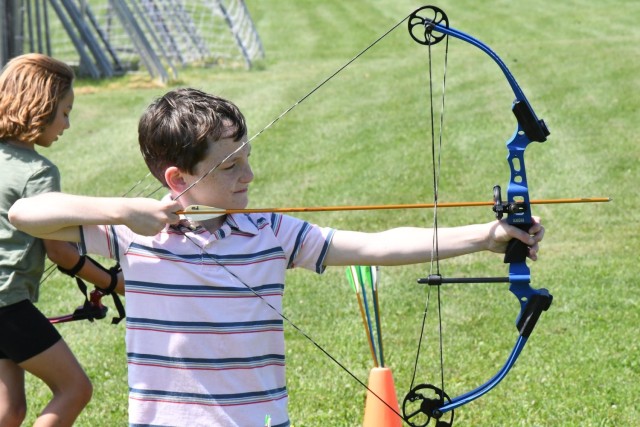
(205, 344)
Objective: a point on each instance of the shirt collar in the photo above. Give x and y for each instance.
(242, 223)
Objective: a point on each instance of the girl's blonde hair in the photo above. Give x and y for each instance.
(31, 86)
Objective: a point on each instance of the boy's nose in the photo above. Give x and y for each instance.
(248, 174)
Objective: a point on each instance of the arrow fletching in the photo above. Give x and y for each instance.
(200, 213)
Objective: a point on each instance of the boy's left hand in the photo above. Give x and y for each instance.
(500, 233)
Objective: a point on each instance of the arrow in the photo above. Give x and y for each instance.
(201, 212)
(355, 280)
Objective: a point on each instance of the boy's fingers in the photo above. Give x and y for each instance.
(521, 235)
(170, 209)
(536, 225)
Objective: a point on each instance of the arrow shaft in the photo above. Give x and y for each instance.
(214, 211)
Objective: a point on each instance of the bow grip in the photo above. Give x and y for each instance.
(516, 249)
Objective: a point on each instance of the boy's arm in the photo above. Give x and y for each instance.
(409, 245)
(57, 216)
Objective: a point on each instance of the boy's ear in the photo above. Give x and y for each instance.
(174, 178)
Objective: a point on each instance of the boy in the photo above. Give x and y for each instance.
(205, 342)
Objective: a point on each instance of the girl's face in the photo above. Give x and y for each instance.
(60, 121)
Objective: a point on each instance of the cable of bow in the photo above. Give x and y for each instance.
(294, 105)
(220, 264)
(428, 26)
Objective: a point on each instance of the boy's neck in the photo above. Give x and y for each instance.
(212, 225)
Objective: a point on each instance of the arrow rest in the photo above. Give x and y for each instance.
(500, 208)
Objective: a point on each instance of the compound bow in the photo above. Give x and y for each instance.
(428, 26)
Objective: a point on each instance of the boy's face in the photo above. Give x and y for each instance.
(227, 187)
(60, 121)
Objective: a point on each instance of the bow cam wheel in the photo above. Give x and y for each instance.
(422, 404)
(422, 25)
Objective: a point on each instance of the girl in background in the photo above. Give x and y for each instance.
(36, 98)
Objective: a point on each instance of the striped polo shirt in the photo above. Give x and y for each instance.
(205, 341)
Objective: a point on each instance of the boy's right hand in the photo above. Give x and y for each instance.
(56, 216)
(149, 216)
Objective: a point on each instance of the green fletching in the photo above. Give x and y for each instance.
(358, 269)
(352, 279)
(369, 277)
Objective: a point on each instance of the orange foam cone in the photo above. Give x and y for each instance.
(376, 413)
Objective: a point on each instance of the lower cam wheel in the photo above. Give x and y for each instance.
(423, 403)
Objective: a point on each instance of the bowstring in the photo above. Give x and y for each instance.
(444, 85)
(210, 256)
(293, 325)
(140, 181)
(293, 106)
(436, 163)
(52, 268)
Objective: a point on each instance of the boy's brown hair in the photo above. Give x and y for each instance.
(31, 86)
(176, 128)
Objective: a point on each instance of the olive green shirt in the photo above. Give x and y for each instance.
(23, 173)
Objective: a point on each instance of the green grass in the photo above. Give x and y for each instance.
(362, 139)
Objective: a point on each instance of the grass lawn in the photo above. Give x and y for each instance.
(364, 139)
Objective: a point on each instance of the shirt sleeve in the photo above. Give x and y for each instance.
(110, 241)
(44, 180)
(304, 244)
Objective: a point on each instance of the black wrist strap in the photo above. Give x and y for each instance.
(73, 271)
(109, 290)
(113, 272)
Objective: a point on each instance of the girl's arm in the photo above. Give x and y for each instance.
(66, 255)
